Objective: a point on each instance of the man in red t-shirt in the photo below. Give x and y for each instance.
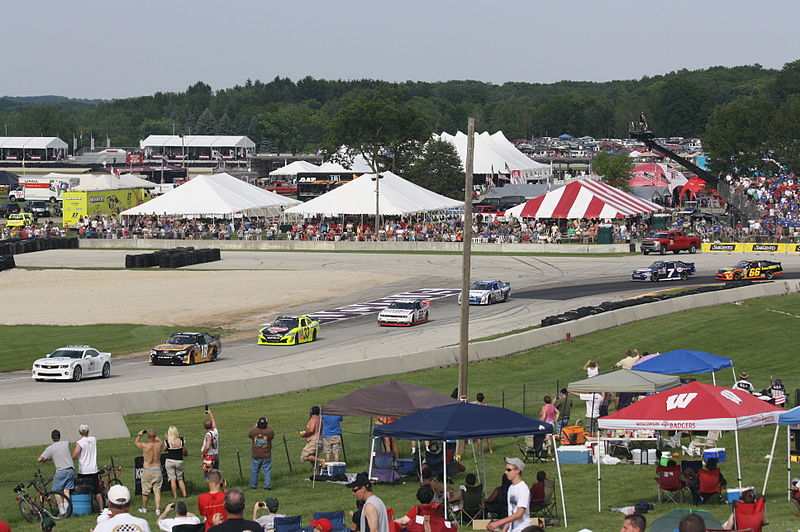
(212, 504)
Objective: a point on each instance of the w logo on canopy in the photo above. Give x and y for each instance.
(680, 400)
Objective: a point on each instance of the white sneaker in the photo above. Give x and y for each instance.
(142, 510)
(157, 511)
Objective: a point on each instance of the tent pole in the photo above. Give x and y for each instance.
(475, 458)
(599, 481)
(714, 378)
(738, 462)
(372, 447)
(734, 372)
(444, 469)
(560, 483)
(788, 462)
(483, 459)
(771, 456)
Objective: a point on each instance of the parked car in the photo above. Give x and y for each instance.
(37, 207)
(674, 241)
(8, 208)
(20, 219)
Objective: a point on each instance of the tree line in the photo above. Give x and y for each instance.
(744, 114)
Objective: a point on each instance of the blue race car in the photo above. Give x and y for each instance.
(664, 270)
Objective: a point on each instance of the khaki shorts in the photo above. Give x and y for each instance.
(332, 445)
(151, 481)
(312, 449)
(174, 469)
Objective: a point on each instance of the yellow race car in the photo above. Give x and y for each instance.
(289, 330)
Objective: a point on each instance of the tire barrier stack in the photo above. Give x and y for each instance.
(606, 306)
(172, 258)
(7, 262)
(16, 246)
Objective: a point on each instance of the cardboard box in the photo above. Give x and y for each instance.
(480, 524)
(715, 452)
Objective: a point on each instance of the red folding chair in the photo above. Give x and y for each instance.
(670, 485)
(749, 516)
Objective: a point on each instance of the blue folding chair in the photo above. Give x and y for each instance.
(336, 519)
(288, 524)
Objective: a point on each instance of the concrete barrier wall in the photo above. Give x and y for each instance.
(36, 431)
(25, 417)
(306, 245)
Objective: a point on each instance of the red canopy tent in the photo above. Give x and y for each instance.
(695, 406)
(586, 198)
(694, 185)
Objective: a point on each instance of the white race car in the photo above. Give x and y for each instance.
(404, 313)
(72, 363)
(488, 292)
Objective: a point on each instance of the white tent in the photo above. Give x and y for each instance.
(494, 154)
(215, 195)
(113, 182)
(398, 197)
(294, 168)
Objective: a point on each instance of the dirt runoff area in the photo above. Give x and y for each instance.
(229, 299)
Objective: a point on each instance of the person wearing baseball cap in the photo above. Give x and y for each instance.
(321, 525)
(267, 521)
(119, 501)
(519, 497)
(373, 514)
(261, 438)
(85, 451)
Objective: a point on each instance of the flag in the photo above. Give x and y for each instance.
(115, 171)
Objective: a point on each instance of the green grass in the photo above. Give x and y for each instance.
(761, 342)
(22, 344)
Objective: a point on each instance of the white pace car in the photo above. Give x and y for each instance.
(404, 313)
(72, 363)
(488, 292)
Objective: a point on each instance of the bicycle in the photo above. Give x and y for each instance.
(43, 503)
(108, 476)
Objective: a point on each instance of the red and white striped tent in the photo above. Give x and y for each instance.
(586, 198)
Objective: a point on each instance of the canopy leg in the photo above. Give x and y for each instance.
(788, 462)
(771, 456)
(599, 478)
(560, 483)
(738, 461)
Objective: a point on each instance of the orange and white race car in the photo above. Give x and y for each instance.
(750, 269)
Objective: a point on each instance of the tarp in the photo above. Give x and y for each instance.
(197, 141)
(7, 178)
(214, 195)
(32, 143)
(462, 421)
(398, 197)
(683, 362)
(625, 380)
(112, 182)
(695, 406)
(790, 417)
(294, 168)
(391, 398)
(585, 198)
(670, 521)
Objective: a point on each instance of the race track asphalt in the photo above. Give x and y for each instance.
(541, 286)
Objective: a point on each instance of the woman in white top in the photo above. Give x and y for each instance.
(591, 368)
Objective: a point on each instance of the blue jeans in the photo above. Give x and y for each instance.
(560, 424)
(255, 466)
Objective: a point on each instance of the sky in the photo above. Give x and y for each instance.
(114, 49)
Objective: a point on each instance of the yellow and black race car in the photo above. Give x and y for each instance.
(289, 330)
(186, 348)
(750, 269)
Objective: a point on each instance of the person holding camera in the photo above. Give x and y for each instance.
(267, 521)
(182, 517)
(210, 449)
(151, 472)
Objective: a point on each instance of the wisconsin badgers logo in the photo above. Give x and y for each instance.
(730, 396)
(680, 400)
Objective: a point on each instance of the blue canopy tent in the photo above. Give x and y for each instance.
(685, 361)
(462, 421)
(788, 418)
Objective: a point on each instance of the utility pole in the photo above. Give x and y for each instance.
(466, 262)
(377, 180)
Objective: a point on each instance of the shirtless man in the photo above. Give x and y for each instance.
(151, 474)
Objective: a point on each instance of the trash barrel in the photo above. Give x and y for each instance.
(604, 234)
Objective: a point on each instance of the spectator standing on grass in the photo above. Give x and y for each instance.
(519, 497)
(591, 368)
(267, 521)
(480, 399)
(86, 452)
(593, 403)
(234, 505)
(313, 447)
(58, 453)
(332, 436)
(261, 448)
(182, 517)
(151, 473)
(119, 501)
(373, 515)
(211, 505)
(564, 407)
(210, 449)
(176, 450)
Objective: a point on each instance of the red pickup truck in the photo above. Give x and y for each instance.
(674, 241)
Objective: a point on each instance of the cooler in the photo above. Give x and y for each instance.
(574, 454)
(336, 468)
(735, 494)
(715, 452)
